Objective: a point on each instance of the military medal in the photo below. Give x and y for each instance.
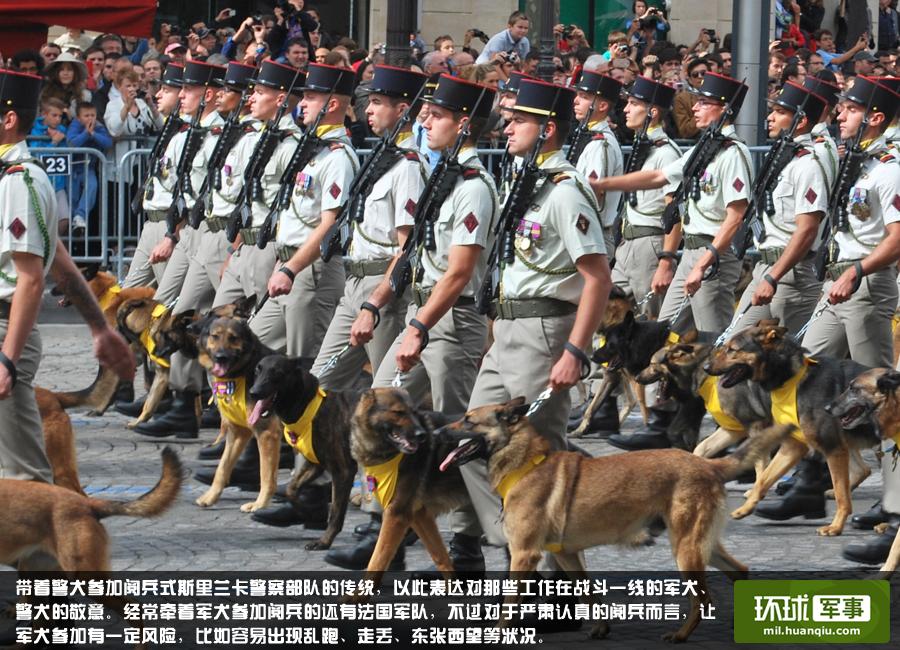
(303, 185)
(859, 206)
(226, 169)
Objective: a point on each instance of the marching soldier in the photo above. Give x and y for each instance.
(823, 143)
(552, 296)
(784, 283)
(158, 187)
(714, 210)
(303, 289)
(602, 156)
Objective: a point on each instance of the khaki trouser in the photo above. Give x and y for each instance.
(860, 327)
(609, 238)
(518, 364)
(636, 264)
(296, 323)
(247, 274)
(794, 301)
(22, 454)
(177, 267)
(344, 374)
(141, 273)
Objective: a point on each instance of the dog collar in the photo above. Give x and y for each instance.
(510, 479)
(149, 344)
(299, 434)
(381, 480)
(709, 391)
(231, 399)
(784, 401)
(106, 298)
(673, 338)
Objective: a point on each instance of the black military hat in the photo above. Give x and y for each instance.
(541, 98)
(19, 90)
(599, 84)
(512, 84)
(431, 84)
(723, 89)
(280, 77)
(173, 75)
(891, 82)
(877, 98)
(397, 82)
(828, 91)
(323, 78)
(200, 73)
(794, 97)
(652, 92)
(462, 96)
(238, 76)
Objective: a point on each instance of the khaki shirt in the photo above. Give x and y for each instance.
(652, 203)
(27, 215)
(892, 134)
(802, 188)
(826, 150)
(390, 205)
(562, 225)
(874, 202)
(321, 185)
(466, 218)
(728, 178)
(601, 158)
(223, 200)
(213, 122)
(158, 195)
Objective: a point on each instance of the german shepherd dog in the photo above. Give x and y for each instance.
(384, 425)
(767, 355)
(873, 398)
(570, 503)
(285, 387)
(234, 353)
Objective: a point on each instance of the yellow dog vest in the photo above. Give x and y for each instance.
(509, 481)
(106, 298)
(709, 391)
(149, 344)
(784, 401)
(231, 397)
(299, 434)
(381, 480)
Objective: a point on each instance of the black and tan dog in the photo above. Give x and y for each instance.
(400, 455)
(563, 502)
(233, 353)
(316, 424)
(800, 389)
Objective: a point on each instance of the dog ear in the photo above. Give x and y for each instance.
(628, 320)
(244, 307)
(888, 382)
(514, 409)
(767, 322)
(689, 337)
(305, 363)
(90, 271)
(773, 334)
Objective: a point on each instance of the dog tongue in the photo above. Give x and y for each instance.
(256, 413)
(452, 456)
(218, 370)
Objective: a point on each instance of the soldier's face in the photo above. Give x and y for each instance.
(264, 102)
(382, 113)
(707, 111)
(166, 99)
(851, 116)
(779, 118)
(522, 132)
(190, 98)
(311, 104)
(227, 100)
(635, 113)
(582, 104)
(442, 127)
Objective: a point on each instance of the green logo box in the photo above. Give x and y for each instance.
(812, 611)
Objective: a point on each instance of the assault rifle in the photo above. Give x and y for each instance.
(192, 142)
(640, 150)
(581, 135)
(701, 156)
(383, 157)
(170, 128)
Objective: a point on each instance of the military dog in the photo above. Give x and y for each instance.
(285, 387)
(387, 430)
(565, 503)
(766, 355)
(234, 353)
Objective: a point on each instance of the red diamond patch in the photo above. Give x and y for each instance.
(17, 228)
(470, 222)
(738, 184)
(582, 224)
(811, 196)
(896, 201)
(411, 207)
(334, 190)
(593, 175)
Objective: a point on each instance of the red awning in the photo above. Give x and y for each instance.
(24, 24)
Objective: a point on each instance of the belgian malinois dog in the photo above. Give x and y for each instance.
(567, 503)
(285, 387)
(767, 355)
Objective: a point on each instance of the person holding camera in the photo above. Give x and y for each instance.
(646, 16)
(570, 38)
(513, 39)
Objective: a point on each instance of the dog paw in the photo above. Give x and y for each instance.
(741, 512)
(747, 493)
(317, 545)
(599, 631)
(133, 424)
(829, 494)
(674, 637)
(206, 499)
(880, 529)
(253, 507)
(830, 530)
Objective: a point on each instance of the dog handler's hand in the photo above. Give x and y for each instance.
(279, 284)
(694, 280)
(113, 352)
(665, 271)
(363, 329)
(162, 251)
(763, 294)
(6, 385)
(566, 372)
(410, 349)
(842, 289)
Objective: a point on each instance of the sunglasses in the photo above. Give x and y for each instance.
(697, 75)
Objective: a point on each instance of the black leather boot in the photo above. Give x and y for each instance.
(179, 421)
(133, 409)
(310, 507)
(124, 392)
(212, 452)
(604, 421)
(653, 436)
(210, 418)
(356, 558)
(875, 551)
(245, 474)
(872, 517)
(372, 526)
(806, 498)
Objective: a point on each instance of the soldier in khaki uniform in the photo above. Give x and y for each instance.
(823, 143)
(553, 294)
(305, 290)
(784, 283)
(158, 189)
(714, 210)
(602, 156)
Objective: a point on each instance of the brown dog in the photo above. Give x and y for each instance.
(565, 502)
(234, 352)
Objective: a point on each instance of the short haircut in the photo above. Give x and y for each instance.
(28, 55)
(26, 116)
(777, 56)
(112, 55)
(297, 40)
(440, 40)
(516, 16)
(616, 37)
(52, 102)
(83, 106)
(819, 33)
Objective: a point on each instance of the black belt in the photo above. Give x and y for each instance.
(693, 242)
(366, 268)
(630, 232)
(420, 297)
(4, 309)
(533, 308)
(155, 216)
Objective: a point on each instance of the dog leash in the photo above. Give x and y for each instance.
(680, 309)
(397, 382)
(259, 307)
(818, 312)
(536, 404)
(734, 321)
(643, 301)
(332, 362)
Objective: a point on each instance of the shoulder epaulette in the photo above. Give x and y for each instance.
(216, 130)
(411, 155)
(560, 177)
(727, 143)
(249, 129)
(820, 139)
(336, 145)
(802, 151)
(470, 172)
(886, 158)
(14, 169)
(598, 136)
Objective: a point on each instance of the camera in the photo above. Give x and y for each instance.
(648, 23)
(257, 19)
(712, 35)
(568, 31)
(477, 33)
(286, 7)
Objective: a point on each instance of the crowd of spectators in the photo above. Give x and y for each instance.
(102, 92)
